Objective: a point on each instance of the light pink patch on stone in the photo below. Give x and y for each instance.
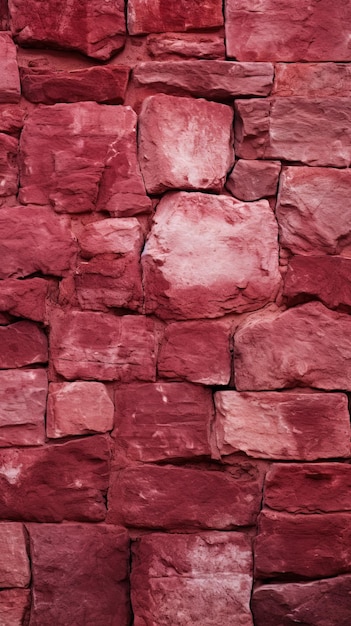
(186, 45)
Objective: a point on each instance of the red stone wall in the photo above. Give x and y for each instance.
(175, 303)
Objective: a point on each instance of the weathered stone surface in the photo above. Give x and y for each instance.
(313, 210)
(150, 16)
(101, 84)
(25, 298)
(312, 546)
(192, 579)
(206, 79)
(22, 343)
(184, 143)
(22, 407)
(112, 275)
(141, 497)
(302, 488)
(4, 16)
(8, 165)
(56, 482)
(209, 255)
(306, 346)
(34, 239)
(14, 606)
(284, 31)
(80, 574)
(316, 603)
(95, 28)
(287, 425)
(309, 277)
(14, 565)
(312, 80)
(103, 346)
(78, 408)
(82, 156)
(11, 118)
(314, 131)
(196, 351)
(252, 180)
(188, 45)
(10, 88)
(156, 421)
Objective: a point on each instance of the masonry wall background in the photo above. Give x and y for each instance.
(175, 303)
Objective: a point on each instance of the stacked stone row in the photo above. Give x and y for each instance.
(174, 314)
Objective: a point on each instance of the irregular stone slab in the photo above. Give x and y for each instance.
(14, 606)
(309, 277)
(314, 131)
(10, 87)
(96, 28)
(314, 604)
(22, 407)
(206, 79)
(34, 239)
(192, 579)
(148, 16)
(14, 566)
(312, 80)
(22, 343)
(196, 351)
(4, 16)
(8, 165)
(82, 156)
(56, 482)
(252, 180)
(78, 408)
(306, 346)
(269, 21)
(100, 84)
(313, 210)
(11, 118)
(141, 497)
(156, 421)
(312, 546)
(209, 255)
(80, 574)
(184, 143)
(103, 346)
(302, 488)
(112, 275)
(287, 425)
(25, 298)
(188, 45)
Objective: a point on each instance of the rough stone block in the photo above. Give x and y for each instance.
(313, 210)
(196, 351)
(56, 482)
(14, 606)
(306, 346)
(150, 16)
(252, 180)
(95, 28)
(10, 88)
(101, 84)
(214, 80)
(284, 31)
(289, 425)
(22, 407)
(22, 343)
(192, 579)
(11, 118)
(14, 565)
(188, 45)
(184, 143)
(8, 165)
(80, 157)
(25, 298)
(156, 421)
(80, 575)
(309, 546)
(176, 498)
(312, 80)
(34, 239)
(210, 255)
(78, 408)
(103, 346)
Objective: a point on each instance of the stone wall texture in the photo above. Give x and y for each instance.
(175, 301)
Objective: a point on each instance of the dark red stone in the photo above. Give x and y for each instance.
(157, 16)
(10, 88)
(252, 180)
(14, 606)
(11, 118)
(22, 343)
(25, 298)
(312, 80)
(8, 165)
